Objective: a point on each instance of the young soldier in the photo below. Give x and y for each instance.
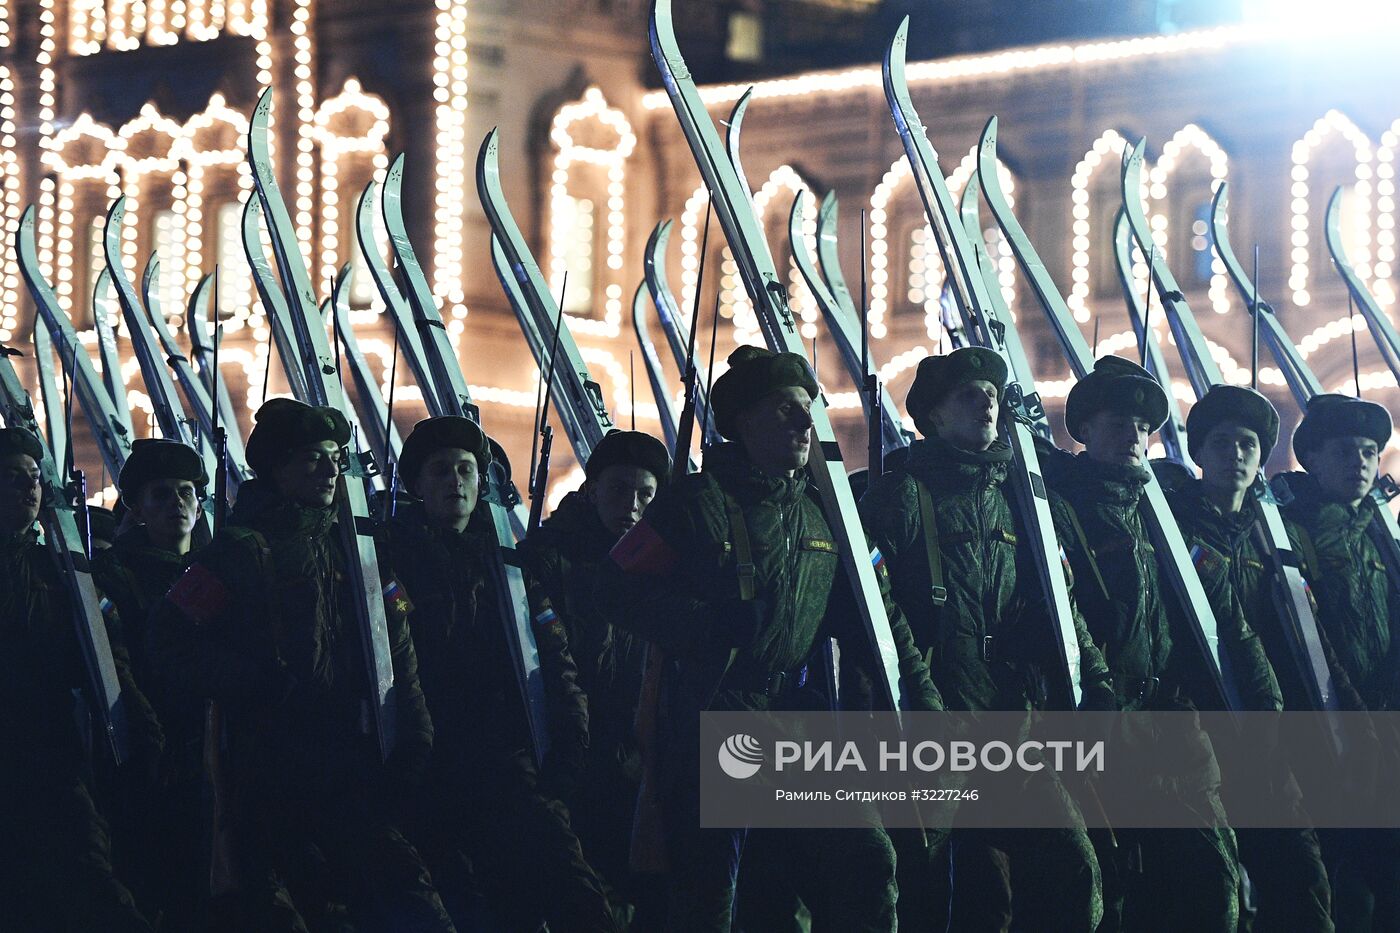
(981, 627)
(1231, 431)
(484, 801)
(1153, 658)
(263, 623)
(733, 574)
(1338, 443)
(56, 870)
(161, 485)
(566, 554)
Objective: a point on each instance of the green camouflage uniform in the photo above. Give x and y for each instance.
(682, 594)
(487, 816)
(1155, 664)
(57, 872)
(989, 647)
(1285, 865)
(263, 623)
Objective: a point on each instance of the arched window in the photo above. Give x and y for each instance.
(1333, 152)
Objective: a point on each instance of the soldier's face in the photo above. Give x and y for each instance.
(1229, 457)
(309, 475)
(967, 416)
(1345, 467)
(620, 495)
(168, 508)
(776, 430)
(449, 484)
(1113, 438)
(19, 492)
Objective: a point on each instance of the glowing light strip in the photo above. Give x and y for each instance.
(1333, 121)
(13, 196)
(690, 254)
(70, 177)
(592, 107)
(1108, 143)
(449, 205)
(134, 171)
(1190, 137)
(971, 67)
(306, 119)
(1387, 162)
(335, 148)
(123, 25)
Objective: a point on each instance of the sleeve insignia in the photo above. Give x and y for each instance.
(643, 551)
(199, 594)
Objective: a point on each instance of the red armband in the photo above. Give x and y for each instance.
(199, 594)
(643, 551)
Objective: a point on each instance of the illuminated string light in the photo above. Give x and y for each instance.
(691, 216)
(449, 207)
(10, 182)
(1110, 143)
(124, 25)
(1387, 163)
(350, 129)
(591, 114)
(306, 119)
(1191, 138)
(150, 147)
(1359, 241)
(85, 185)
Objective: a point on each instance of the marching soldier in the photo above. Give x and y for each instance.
(949, 532)
(484, 803)
(161, 485)
(1153, 658)
(262, 624)
(733, 573)
(1338, 443)
(56, 873)
(567, 553)
(1231, 431)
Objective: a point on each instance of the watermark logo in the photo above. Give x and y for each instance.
(740, 756)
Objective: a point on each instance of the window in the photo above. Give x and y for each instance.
(235, 278)
(576, 215)
(745, 38)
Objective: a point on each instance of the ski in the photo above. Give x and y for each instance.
(1382, 331)
(1174, 557)
(317, 364)
(65, 543)
(53, 402)
(769, 297)
(113, 439)
(278, 314)
(501, 499)
(107, 348)
(843, 323)
(1174, 431)
(1021, 402)
(382, 436)
(665, 410)
(1302, 382)
(191, 384)
(410, 343)
(206, 359)
(673, 324)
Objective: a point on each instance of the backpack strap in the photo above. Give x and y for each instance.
(937, 591)
(1088, 551)
(743, 552)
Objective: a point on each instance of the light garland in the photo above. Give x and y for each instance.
(1187, 139)
(11, 182)
(1387, 162)
(449, 206)
(351, 124)
(124, 25)
(1108, 143)
(592, 108)
(1360, 248)
(303, 80)
(159, 137)
(690, 257)
(96, 181)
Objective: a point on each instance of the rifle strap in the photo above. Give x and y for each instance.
(937, 591)
(743, 552)
(1088, 551)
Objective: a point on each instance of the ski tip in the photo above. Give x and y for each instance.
(1219, 200)
(664, 229)
(1132, 155)
(116, 213)
(395, 171)
(989, 134)
(795, 215)
(26, 217)
(263, 108)
(488, 158)
(896, 51)
(828, 206)
(151, 272)
(1334, 203)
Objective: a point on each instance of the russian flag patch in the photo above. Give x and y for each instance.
(546, 618)
(396, 597)
(877, 560)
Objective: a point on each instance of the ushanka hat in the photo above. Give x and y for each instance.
(159, 458)
(939, 375)
(1116, 385)
(1227, 404)
(1330, 416)
(283, 424)
(445, 433)
(753, 373)
(21, 441)
(630, 448)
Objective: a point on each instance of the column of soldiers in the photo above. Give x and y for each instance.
(244, 672)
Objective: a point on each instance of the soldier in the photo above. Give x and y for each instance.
(566, 553)
(484, 802)
(1338, 443)
(733, 573)
(949, 532)
(1153, 658)
(1231, 431)
(161, 485)
(56, 873)
(262, 624)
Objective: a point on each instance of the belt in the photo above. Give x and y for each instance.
(1143, 689)
(777, 683)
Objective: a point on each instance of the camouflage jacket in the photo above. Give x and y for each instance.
(1132, 614)
(993, 589)
(263, 623)
(1237, 539)
(1356, 604)
(674, 581)
(566, 555)
(468, 671)
(44, 686)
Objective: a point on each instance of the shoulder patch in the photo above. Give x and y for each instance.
(396, 598)
(825, 545)
(643, 551)
(199, 594)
